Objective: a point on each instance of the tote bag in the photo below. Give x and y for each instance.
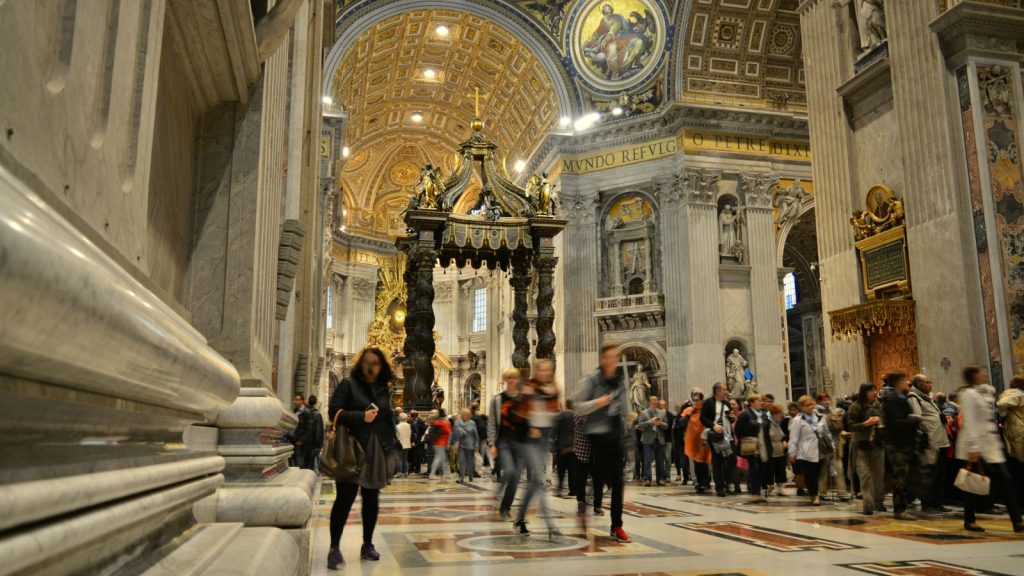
(972, 482)
(342, 457)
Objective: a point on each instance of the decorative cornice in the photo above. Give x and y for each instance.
(671, 120)
(976, 29)
(350, 241)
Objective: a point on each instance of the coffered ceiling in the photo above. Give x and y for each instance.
(748, 51)
(384, 84)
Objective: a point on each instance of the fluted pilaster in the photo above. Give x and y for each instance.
(764, 282)
(581, 335)
(832, 64)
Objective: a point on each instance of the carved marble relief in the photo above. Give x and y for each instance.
(630, 246)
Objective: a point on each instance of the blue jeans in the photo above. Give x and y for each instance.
(440, 463)
(655, 452)
(511, 456)
(467, 463)
(535, 454)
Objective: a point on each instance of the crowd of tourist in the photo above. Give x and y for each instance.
(900, 438)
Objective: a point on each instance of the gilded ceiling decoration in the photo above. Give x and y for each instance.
(400, 71)
(745, 51)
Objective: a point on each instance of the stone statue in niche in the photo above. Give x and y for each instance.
(639, 390)
(870, 23)
(729, 245)
(788, 201)
(735, 373)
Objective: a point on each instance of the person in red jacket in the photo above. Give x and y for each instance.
(440, 433)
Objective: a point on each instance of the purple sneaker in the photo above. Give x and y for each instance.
(334, 559)
(368, 552)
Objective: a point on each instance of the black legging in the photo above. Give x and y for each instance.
(343, 505)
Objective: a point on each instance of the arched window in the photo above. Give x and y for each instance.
(789, 290)
(330, 306)
(480, 310)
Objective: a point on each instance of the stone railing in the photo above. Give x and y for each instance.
(631, 312)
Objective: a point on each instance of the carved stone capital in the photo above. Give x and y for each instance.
(363, 288)
(580, 208)
(700, 186)
(757, 189)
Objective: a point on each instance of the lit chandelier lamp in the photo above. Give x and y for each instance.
(508, 228)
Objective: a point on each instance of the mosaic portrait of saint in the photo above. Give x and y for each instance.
(617, 41)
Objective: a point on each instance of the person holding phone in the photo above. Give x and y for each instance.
(360, 398)
(865, 418)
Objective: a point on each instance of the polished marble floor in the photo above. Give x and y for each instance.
(432, 528)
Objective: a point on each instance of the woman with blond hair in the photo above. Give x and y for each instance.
(534, 415)
(364, 403)
(804, 434)
(466, 436)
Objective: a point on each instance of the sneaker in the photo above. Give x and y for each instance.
(334, 559)
(620, 535)
(505, 514)
(520, 528)
(973, 528)
(368, 552)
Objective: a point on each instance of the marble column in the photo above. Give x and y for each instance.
(764, 282)
(520, 283)
(692, 315)
(582, 340)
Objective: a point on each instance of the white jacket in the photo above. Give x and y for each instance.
(803, 439)
(979, 431)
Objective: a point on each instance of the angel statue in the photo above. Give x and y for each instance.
(533, 186)
(431, 187)
(545, 203)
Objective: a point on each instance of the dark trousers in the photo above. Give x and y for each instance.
(774, 472)
(755, 473)
(609, 460)
(415, 459)
(1002, 483)
(683, 467)
(903, 465)
(654, 453)
(932, 487)
(343, 505)
(702, 475)
(811, 472)
(1017, 473)
(309, 455)
(564, 467)
(579, 478)
(723, 470)
(512, 457)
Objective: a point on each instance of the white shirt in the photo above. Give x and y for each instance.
(405, 435)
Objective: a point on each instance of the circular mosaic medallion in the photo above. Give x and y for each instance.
(617, 43)
(512, 543)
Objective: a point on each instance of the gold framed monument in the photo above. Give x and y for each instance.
(617, 44)
(881, 242)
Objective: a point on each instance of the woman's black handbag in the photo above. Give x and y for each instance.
(342, 457)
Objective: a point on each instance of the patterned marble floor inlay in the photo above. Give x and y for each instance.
(938, 531)
(919, 568)
(769, 538)
(421, 549)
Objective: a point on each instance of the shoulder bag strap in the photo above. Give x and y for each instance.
(334, 423)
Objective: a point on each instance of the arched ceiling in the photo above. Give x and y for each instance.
(519, 52)
(382, 82)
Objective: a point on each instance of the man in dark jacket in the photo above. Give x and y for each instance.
(716, 416)
(562, 446)
(317, 440)
(417, 453)
(901, 442)
(302, 436)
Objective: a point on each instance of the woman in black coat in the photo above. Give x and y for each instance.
(365, 402)
(752, 428)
